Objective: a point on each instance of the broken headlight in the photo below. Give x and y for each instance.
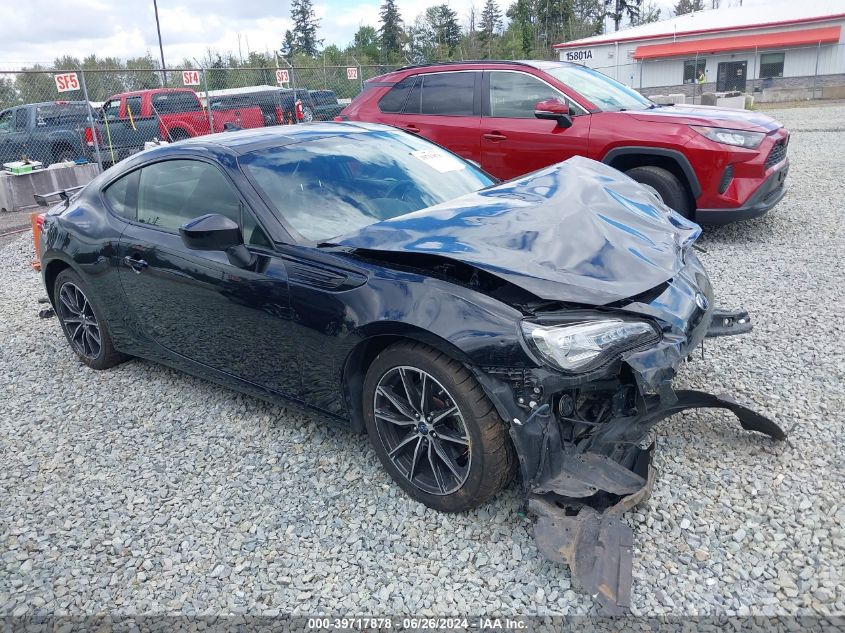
(583, 345)
(728, 136)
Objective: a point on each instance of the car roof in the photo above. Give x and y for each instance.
(478, 64)
(245, 141)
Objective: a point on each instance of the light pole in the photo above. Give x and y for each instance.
(160, 47)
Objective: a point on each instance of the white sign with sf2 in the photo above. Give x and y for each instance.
(579, 56)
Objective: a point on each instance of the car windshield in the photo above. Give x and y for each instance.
(603, 91)
(336, 185)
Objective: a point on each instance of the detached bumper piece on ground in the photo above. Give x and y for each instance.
(580, 489)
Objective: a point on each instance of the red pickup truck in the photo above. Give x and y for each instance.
(130, 119)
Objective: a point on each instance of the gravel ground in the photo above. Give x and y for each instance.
(143, 490)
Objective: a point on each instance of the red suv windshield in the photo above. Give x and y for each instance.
(607, 94)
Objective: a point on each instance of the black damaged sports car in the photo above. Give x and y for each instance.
(473, 329)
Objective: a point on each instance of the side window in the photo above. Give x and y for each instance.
(133, 107)
(6, 121)
(513, 95)
(122, 195)
(21, 119)
(394, 99)
(448, 94)
(172, 192)
(111, 110)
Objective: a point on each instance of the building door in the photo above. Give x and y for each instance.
(731, 76)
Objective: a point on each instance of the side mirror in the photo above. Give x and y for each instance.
(215, 232)
(555, 110)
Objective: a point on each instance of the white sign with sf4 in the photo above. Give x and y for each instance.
(67, 82)
(579, 56)
(438, 160)
(191, 77)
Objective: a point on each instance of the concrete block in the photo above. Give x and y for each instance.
(708, 98)
(833, 92)
(778, 95)
(737, 102)
(16, 192)
(678, 97)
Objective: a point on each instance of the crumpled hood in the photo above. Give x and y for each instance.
(708, 115)
(579, 231)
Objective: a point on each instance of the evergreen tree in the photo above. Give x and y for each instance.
(444, 30)
(366, 44)
(520, 16)
(688, 6)
(305, 25)
(288, 45)
(491, 24)
(617, 9)
(390, 33)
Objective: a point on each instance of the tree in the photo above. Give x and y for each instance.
(391, 32)
(520, 15)
(366, 43)
(588, 18)
(437, 32)
(551, 19)
(491, 24)
(617, 9)
(305, 25)
(288, 45)
(649, 13)
(688, 6)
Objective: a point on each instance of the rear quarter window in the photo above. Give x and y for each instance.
(395, 97)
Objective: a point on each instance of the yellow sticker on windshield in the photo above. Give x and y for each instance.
(440, 161)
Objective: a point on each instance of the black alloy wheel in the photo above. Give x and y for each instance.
(422, 430)
(434, 429)
(80, 322)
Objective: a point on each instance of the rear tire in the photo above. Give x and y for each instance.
(449, 462)
(666, 184)
(83, 323)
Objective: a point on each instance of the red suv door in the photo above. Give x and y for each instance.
(445, 107)
(513, 141)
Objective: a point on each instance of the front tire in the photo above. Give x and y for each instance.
(434, 429)
(666, 184)
(82, 322)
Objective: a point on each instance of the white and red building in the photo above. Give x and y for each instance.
(766, 46)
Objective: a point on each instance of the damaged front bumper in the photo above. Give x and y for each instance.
(582, 442)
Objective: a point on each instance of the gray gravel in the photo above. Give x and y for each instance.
(143, 490)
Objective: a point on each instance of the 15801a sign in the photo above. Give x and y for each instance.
(579, 56)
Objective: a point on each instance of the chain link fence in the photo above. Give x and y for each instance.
(103, 116)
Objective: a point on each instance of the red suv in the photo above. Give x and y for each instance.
(716, 165)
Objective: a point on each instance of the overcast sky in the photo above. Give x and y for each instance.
(41, 30)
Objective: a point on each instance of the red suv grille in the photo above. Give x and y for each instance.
(777, 154)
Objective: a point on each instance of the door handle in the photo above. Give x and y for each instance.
(413, 129)
(135, 263)
(495, 137)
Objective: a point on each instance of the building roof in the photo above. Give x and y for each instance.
(723, 20)
(800, 37)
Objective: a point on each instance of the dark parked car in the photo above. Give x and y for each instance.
(473, 329)
(715, 165)
(48, 132)
(326, 107)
